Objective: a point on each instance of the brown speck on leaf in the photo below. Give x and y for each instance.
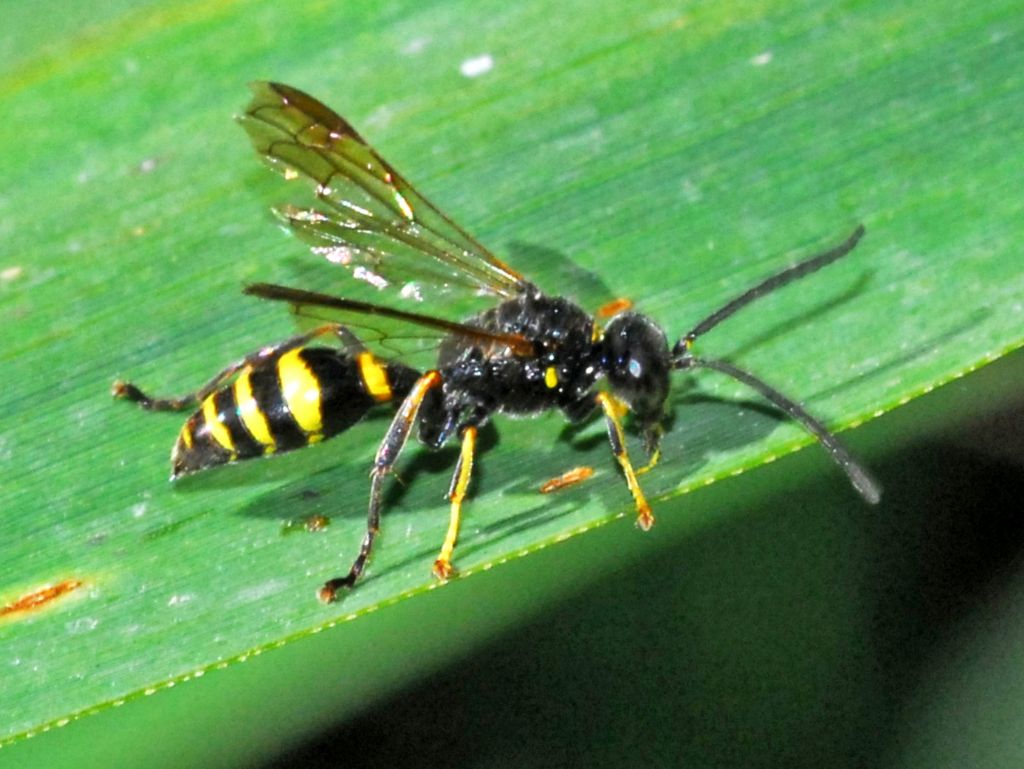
(40, 598)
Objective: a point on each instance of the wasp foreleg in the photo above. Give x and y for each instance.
(613, 409)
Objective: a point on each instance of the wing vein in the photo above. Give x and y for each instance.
(377, 212)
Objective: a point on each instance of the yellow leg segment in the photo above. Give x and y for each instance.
(613, 410)
(443, 568)
(652, 442)
(655, 458)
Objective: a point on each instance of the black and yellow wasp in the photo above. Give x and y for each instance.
(527, 353)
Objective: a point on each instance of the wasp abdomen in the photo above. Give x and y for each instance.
(286, 401)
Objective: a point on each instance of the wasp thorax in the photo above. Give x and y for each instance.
(638, 363)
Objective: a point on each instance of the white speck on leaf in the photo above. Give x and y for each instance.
(263, 590)
(380, 117)
(761, 59)
(411, 291)
(691, 192)
(375, 280)
(416, 45)
(476, 66)
(82, 625)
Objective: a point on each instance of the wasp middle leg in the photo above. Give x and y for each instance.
(387, 455)
(443, 568)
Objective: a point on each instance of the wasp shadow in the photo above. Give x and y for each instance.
(559, 275)
(800, 320)
(934, 341)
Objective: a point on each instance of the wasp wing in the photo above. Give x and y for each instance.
(372, 220)
(390, 327)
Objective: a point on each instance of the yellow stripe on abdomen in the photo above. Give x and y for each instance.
(217, 429)
(301, 391)
(375, 377)
(249, 411)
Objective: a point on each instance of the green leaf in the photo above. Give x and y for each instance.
(678, 155)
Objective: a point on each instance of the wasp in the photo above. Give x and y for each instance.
(526, 353)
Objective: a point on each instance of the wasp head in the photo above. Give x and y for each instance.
(637, 364)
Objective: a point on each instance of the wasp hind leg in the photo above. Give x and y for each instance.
(613, 410)
(388, 453)
(128, 391)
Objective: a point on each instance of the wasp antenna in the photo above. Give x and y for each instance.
(779, 280)
(862, 481)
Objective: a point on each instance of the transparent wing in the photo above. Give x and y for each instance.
(372, 220)
(394, 333)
